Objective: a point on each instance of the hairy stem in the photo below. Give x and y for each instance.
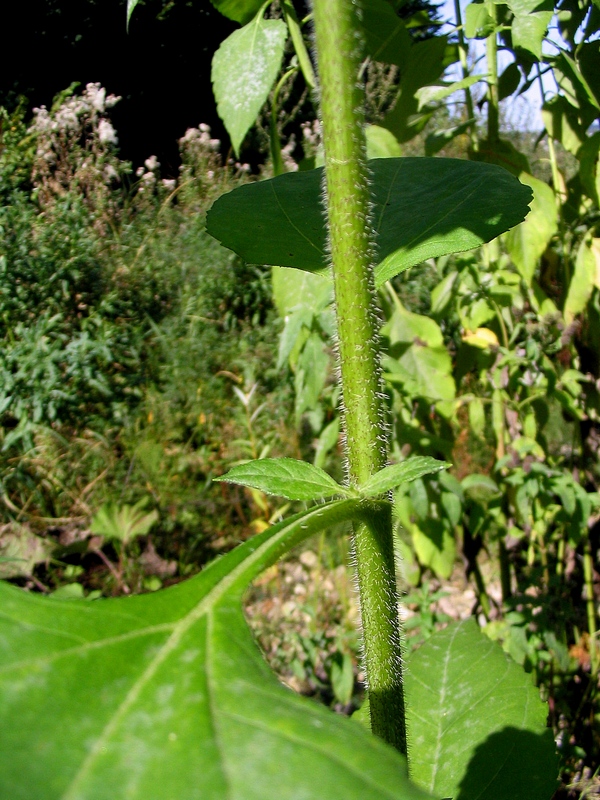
(338, 56)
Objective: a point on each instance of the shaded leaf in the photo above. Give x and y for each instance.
(386, 37)
(422, 208)
(286, 477)
(166, 695)
(509, 81)
(439, 139)
(396, 474)
(243, 71)
(241, 11)
(476, 721)
(427, 61)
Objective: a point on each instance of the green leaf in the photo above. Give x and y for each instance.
(434, 94)
(530, 24)
(426, 63)
(478, 22)
(435, 546)
(476, 723)
(527, 241)
(295, 289)
(439, 139)
(396, 474)
(477, 417)
(562, 123)
(509, 81)
(21, 550)
(131, 4)
(124, 523)
(381, 143)
(244, 69)
(418, 359)
(166, 695)
(241, 11)
(422, 208)
(286, 477)
(386, 37)
(585, 277)
(480, 487)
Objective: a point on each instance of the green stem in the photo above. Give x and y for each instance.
(278, 167)
(556, 181)
(348, 208)
(304, 61)
(504, 571)
(588, 576)
(492, 65)
(463, 51)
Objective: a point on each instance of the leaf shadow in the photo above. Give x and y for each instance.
(512, 764)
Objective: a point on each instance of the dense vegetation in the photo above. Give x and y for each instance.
(141, 359)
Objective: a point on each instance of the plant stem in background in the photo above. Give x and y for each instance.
(588, 575)
(463, 51)
(304, 61)
(493, 103)
(348, 201)
(278, 167)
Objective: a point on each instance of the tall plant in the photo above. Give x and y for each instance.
(166, 695)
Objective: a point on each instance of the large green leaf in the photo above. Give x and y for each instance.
(422, 208)
(165, 696)
(243, 71)
(476, 723)
(527, 241)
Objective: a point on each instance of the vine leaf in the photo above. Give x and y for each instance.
(241, 11)
(422, 208)
(390, 477)
(476, 721)
(166, 695)
(244, 69)
(286, 477)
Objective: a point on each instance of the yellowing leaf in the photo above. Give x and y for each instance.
(483, 338)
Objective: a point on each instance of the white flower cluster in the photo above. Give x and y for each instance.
(199, 136)
(77, 109)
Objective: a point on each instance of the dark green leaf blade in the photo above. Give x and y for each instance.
(166, 696)
(240, 11)
(285, 477)
(405, 472)
(422, 208)
(476, 721)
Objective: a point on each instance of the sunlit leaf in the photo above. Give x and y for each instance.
(286, 477)
(476, 723)
(166, 695)
(527, 241)
(405, 472)
(585, 277)
(243, 71)
(530, 24)
(422, 208)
